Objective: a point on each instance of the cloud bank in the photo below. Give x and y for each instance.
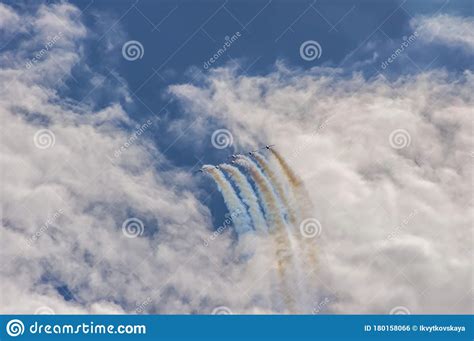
(388, 167)
(447, 29)
(66, 193)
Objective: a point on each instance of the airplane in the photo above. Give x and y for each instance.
(268, 146)
(253, 151)
(233, 156)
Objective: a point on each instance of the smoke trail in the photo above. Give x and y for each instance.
(276, 182)
(290, 174)
(248, 196)
(234, 205)
(302, 196)
(288, 199)
(299, 191)
(277, 224)
(270, 201)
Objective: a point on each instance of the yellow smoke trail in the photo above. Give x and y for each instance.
(281, 238)
(290, 174)
(263, 163)
(270, 201)
(297, 186)
(288, 200)
(248, 196)
(301, 195)
(234, 205)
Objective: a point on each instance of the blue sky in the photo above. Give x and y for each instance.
(379, 129)
(179, 37)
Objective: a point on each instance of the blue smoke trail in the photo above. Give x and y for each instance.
(248, 196)
(241, 219)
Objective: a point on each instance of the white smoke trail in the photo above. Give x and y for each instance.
(248, 196)
(235, 206)
(279, 187)
(264, 188)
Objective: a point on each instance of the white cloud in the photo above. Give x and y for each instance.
(76, 194)
(8, 19)
(446, 29)
(395, 223)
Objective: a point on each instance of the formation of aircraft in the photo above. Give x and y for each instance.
(268, 146)
(233, 157)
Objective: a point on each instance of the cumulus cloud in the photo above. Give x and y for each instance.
(388, 168)
(446, 29)
(393, 213)
(8, 18)
(71, 177)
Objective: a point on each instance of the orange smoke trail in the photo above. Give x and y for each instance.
(302, 196)
(282, 243)
(278, 186)
(290, 174)
(297, 186)
(287, 195)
